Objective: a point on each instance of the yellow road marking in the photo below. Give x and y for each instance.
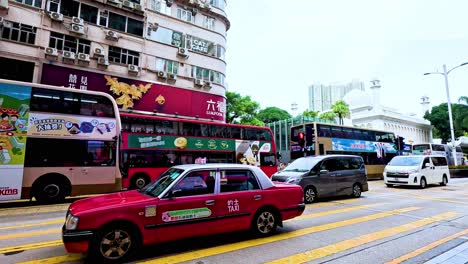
(328, 203)
(427, 248)
(260, 241)
(28, 234)
(54, 260)
(33, 210)
(361, 240)
(425, 197)
(337, 211)
(52, 222)
(53, 243)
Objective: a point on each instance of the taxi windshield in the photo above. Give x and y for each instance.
(166, 179)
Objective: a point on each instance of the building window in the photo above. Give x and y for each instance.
(69, 43)
(200, 45)
(89, 13)
(75, 9)
(35, 3)
(160, 6)
(167, 66)
(103, 18)
(207, 75)
(221, 4)
(209, 22)
(18, 32)
(221, 52)
(125, 24)
(185, 15)
(167, 36)
(123, 56)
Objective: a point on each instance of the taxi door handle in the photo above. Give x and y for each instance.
(257, 197)
(210, 202)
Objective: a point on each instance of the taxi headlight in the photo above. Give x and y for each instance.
(72, 222)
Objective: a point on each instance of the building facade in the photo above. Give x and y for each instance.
(322, 97)
(172, 50)
(367, 112)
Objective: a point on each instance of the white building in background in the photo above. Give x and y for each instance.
(367, 111)
(322, 97)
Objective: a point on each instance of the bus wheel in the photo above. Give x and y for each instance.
(139, 181)
(50, 192)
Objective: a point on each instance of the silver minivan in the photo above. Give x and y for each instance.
(325, 176)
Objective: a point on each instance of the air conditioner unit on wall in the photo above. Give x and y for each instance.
(133, 69)
(183, 52)
(127, 4)
(99, 52)
(112, 35)
(207, 84)
(139, 8)
(4, 4)
(162, 74)
(171, 76)
(153, 26)
(198, 82)
(56, 16)
(169, 3)
(51, 53)
(77, 29)
(68, 57)
(114, 2)
(83, 59)
(77, 21)
(103, 61)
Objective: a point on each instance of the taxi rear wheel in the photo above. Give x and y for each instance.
(265, 222)
(115, 243)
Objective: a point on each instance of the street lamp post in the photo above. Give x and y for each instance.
(452, 132)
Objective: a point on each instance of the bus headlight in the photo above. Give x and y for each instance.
(72, 222)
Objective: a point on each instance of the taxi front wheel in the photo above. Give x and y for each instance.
(115, 243)
(264, 222)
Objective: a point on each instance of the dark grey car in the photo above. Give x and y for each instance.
(325, 176)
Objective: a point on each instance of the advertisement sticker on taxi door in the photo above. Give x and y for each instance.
(179, 215)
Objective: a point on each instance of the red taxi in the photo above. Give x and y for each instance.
(186, 201)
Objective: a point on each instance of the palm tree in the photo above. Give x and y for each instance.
(463, 99)
(341, 109)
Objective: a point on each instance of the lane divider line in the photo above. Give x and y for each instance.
(331, 249)
(332, 212)
(426, 248)
(34, 210)
(197, 254)
(54, 260)
(28, 234)
(12, 249)
(425, 197)
(52, 222)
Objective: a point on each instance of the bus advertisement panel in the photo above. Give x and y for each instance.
(56, 142)
(376, 147)
(14, 111)
(151, 144)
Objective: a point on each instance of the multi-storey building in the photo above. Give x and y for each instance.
(164, 56)
(322, 97)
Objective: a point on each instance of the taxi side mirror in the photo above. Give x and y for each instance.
(174, 193)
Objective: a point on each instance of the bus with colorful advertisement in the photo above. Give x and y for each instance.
(57, 142)
(376, 147)
(153, 143)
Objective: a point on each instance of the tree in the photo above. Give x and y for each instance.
(310, 114)
(272, 114)
(341, 109)
(440, 120)
(328, 116)
(240, 109)
(463, 99)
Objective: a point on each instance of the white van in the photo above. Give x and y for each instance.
(417, 171)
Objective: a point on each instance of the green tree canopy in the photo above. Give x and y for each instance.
(463, 100)
(241, 109)
(311, 114)
(341, 109)
(328, 116)
(272, 114)
(439, 118)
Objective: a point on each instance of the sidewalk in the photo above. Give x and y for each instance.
(457, 255)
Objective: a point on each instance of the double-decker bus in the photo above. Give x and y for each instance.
(151, 144)
(376, 147)
(57, 142)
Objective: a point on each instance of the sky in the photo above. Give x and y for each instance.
(277, 49)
